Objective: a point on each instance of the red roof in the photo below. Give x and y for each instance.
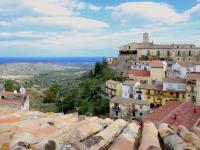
(176, 113)
(137, 72)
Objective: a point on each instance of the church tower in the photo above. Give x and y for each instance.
(145, 37)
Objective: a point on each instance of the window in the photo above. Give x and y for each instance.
(189, 58)
(116, 113)
(129, 47)
(183, 96)
(140, 114)
(148, 92)
(151, 105)
(188, 95)
(131, 88)
(153, 82)
(148, 97)
(179, 53)
(158, 53)
(168, 53)
(148, 52)
(190, 53)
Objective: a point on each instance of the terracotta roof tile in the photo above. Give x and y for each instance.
(137, 72)
(80, 132)
(176, 113)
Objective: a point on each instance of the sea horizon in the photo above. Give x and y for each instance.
(5, 60)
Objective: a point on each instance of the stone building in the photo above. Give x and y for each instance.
(176, 52)
(128, 109)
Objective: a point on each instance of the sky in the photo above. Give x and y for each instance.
(86, 28)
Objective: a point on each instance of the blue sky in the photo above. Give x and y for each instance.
(47, 28)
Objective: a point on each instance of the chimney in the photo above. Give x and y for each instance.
(175, 116)
(145, 37)
(195, 111)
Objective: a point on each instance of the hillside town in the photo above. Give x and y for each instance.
(153, 76)
(154, 103)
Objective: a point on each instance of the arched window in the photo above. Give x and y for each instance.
(179, 53)
(190, 53)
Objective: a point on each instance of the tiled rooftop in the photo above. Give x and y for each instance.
(174, 80)
(28, 130)
(176, 113)
(137, 72)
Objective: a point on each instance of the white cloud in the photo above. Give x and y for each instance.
(46, 7)
(78, 23)
(152, 11)
(4, 24)
(26, 34)
(52, 12)
(193, 10)
(94, 7)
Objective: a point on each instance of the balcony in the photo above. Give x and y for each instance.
(116, 108)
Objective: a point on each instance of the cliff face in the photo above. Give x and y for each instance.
(35, 130)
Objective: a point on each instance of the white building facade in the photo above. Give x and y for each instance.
(180, 69)
(174, 84)
(129, 89)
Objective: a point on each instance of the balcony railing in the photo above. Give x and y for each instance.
(116, 108)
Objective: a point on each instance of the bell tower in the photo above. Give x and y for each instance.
(145, 37)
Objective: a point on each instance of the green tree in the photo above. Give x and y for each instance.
(52, 94)
(97, 68)
(9, 85)
(66, 105)
(84, 107)
(106, 74)
(101, 106)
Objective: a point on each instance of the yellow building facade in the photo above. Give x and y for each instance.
(113, 88)
(157, 97)
(157, 72)
(198, 91)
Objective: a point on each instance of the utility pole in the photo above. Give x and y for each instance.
(62, 103)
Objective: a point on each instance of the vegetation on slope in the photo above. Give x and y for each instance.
(84, 94)
(89, 98)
